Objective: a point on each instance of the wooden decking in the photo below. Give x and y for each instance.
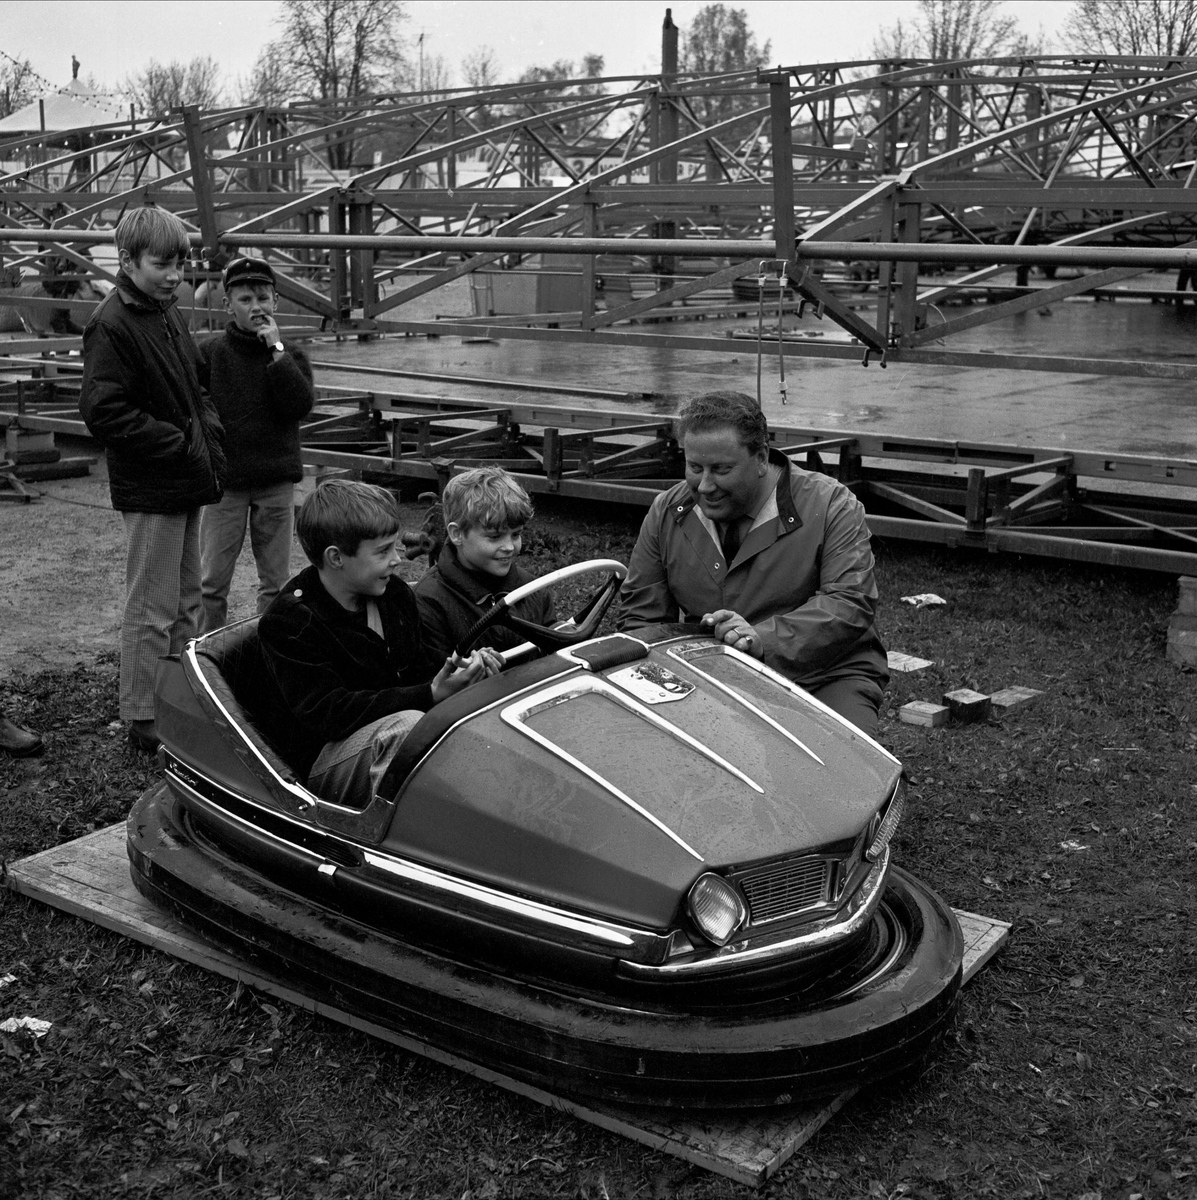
(90, 878)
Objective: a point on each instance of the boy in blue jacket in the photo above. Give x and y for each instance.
(143, 401)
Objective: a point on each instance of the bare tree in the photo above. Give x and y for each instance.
(342, 49)
(719, 42)
(947, 30)
(480, 68)
(269, 81)
(159, 87)
(1166, 28)
(18, 84)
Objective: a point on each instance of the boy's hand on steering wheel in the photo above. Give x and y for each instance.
(458, 673)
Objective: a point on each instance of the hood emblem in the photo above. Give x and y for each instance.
(652, 683)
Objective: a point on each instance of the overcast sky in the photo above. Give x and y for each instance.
(115, 38)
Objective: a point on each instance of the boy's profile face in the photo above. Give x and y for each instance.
(365, 573)
(251, 305)
(490, 551)
(157, 275)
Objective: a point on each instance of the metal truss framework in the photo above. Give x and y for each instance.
(671, 198)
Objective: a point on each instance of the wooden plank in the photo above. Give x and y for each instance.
(90, 878)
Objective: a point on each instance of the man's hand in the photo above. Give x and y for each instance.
(458, 673)
(733, 630)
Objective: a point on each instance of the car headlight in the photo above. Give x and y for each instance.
(885, 822)
(716, 908)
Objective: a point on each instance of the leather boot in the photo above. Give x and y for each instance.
(143, 737)
(18, 741)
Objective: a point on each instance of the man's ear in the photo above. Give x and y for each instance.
(124, 258)
(762, 460)
(455, 532)
(334, 558)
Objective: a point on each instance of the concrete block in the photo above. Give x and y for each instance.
(1013, 697)
(1187, 604)
(898, 661)
(967, 706)
(923, 712)
(1182, 640)
(29, 445)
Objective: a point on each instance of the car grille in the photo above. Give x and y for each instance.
(784, 889)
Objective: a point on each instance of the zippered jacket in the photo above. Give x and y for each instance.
(334, 672)
(143, 399)
(802, 577)
(452, 598)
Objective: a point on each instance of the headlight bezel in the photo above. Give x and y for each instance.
(709, 895)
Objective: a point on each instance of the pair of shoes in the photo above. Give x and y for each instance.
(18, 741)
(143, 737)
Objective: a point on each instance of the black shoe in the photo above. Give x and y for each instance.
(18, 741)
(143, 737)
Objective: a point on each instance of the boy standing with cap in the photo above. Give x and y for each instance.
(261, 388)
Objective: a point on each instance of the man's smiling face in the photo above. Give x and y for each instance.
(725, 477)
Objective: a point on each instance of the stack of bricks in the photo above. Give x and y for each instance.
(1182, 629)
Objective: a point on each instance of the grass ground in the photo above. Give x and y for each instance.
(1070, 1072)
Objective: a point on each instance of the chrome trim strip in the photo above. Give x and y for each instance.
(210, 806)
(763, 669)
(737, 955)
(752, 708)
(305, 798)
(534, 910)
(605, 932)
(606, 784)
(589, 683)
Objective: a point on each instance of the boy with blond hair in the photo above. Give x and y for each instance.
(344, 643)
(143, 401)
(485, 511)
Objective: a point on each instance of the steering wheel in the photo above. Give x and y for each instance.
(579, 628)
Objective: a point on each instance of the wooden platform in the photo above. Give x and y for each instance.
(90, 879)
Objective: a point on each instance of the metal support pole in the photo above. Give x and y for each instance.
(908, 277)
(667, 123)
(781, 136)
(451, 161)
(361, 279)
(589, 229)
(201, 181)
(338, 282)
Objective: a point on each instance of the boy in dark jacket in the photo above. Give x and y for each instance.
(142, 400)
(485, 513)
(344, 645)
(261, 388)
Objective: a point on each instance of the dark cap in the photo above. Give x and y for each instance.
(247, 270)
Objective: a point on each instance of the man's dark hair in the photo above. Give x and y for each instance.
(726, 410)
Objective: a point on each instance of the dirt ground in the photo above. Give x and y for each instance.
(1070, 1073)
(62, 559)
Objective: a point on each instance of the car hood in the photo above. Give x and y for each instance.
(610, 790)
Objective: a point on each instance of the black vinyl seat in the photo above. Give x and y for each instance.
(235, 668)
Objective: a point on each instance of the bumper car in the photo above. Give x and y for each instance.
(637, 868)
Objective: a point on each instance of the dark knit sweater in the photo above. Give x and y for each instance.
(260, 403)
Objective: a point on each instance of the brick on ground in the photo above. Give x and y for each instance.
(923, 712)
(966, 706)
(1013, 697)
